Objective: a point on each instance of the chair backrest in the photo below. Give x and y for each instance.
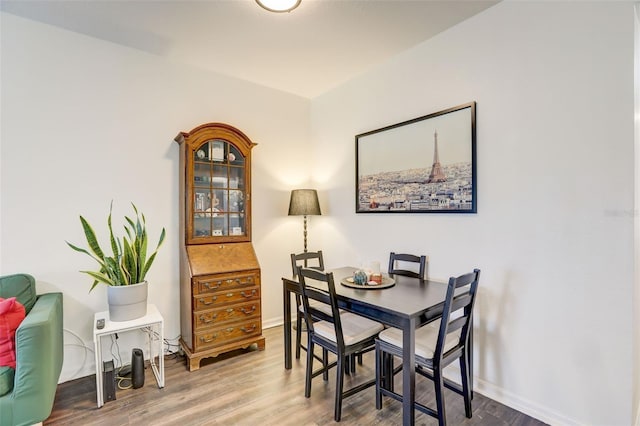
(310, 259)
(310, 281)
(457, 314)
(396, 268)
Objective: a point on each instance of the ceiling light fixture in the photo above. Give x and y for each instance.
(279, 5)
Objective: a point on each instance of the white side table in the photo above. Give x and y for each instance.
(153, 319)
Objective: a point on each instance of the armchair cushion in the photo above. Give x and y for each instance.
(6, 380)
(11, 315)
(20, 286)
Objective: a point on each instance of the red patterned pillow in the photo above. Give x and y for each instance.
(11, 315)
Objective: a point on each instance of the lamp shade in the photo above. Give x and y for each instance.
(304, 202)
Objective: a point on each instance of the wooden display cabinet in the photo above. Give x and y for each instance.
(220, 302)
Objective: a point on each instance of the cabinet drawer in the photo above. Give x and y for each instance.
(237, 312)
(222, 335)
(204, 285)
(210, 301)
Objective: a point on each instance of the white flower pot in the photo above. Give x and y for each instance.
(127, 302)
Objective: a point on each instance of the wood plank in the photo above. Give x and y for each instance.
(250, 387)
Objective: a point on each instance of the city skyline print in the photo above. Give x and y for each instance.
(423, 165)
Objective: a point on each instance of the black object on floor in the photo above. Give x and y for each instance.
(108, 381)
(137, 368)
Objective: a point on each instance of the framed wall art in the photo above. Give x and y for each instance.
(423, 165)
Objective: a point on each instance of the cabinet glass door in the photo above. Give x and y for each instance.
(218, 190)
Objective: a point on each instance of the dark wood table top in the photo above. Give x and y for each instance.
(409, 298)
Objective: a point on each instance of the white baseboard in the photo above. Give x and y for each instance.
(523, 405)
(272, 323)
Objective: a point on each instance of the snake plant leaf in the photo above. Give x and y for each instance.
(162, 235)
(153, 255)
(149, 263)
(128, 263)
(99, 277)
(114, 244)
(81, 250)
(91, 238)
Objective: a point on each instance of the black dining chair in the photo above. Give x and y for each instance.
(437, 345)
(314, 260)
(343, 333)
(399, 262)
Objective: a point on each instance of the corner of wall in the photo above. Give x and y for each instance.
(636, 292)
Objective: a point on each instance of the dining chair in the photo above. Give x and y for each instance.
(343, 333)
(314, 260)
(396, 268)
(437, 345)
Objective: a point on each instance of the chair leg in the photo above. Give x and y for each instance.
(325, 363)
(466, 391)
(307, 382)
(379, 376)
(298, 334)
(439, 387)
(388, 362)
(339, 386)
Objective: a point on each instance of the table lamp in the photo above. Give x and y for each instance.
(304, 202)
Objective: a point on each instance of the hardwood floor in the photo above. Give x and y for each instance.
(253, 388)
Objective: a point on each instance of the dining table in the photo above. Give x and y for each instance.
(410, 303)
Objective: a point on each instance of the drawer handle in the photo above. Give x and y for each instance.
(253, 293)
(249, 330)
(229, 330)
(208, 285)
(229, 294)
(229, 310)
(248, 311)
(230, 281)
(213, 337)
(206, 320)
(204, 302)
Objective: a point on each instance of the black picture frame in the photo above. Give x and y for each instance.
(423, 165)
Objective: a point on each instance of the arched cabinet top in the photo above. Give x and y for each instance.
(198, 135)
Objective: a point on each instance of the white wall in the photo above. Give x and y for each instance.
(636, 298)
(554, 230)
(86, 121)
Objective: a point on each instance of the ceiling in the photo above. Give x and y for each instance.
(306, 52)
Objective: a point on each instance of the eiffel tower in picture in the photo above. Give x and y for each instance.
(436, 175)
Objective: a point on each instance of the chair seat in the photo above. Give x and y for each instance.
(355, 328)
(426, 339)
(319, 306)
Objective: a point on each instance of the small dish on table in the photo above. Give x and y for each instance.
(387, 282)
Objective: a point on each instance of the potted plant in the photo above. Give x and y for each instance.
(125, 269)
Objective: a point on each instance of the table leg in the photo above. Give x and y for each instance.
(158, 369)
(408, 373)
(98, 355)
(286, 299)
(161, 355)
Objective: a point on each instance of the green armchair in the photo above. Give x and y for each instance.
(39, 354)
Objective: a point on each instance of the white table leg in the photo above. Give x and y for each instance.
(161, 355)
(98, 354)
